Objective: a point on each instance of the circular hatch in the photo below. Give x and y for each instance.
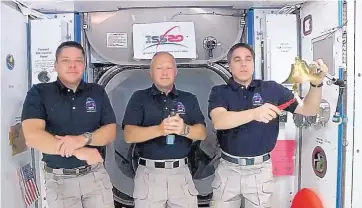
(120, 83)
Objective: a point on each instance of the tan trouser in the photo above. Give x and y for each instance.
(161, 188)
(232, 182)
(93, 190)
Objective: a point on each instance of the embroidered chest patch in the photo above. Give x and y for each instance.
(257, 100)
(90, 105)
(180, 108)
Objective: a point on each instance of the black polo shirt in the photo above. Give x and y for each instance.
(253, 138)
(68, 113)
(149, 107)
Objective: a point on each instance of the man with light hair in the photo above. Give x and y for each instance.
(163, 122)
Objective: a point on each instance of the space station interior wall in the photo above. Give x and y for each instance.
(353, 172)
(14, 85)
(321, 142)
(315, 158)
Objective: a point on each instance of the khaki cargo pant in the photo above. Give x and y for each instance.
(161, 188)
(93, 190)
(233, 182)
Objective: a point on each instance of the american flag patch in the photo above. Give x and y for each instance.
(29, 188)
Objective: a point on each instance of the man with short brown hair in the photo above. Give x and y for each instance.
(245, 114)
(70, 122)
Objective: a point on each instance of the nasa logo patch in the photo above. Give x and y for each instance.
(10, 62)
(257, 100)
(90, 105)
(180, 108)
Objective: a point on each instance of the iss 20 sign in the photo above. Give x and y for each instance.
(177, 38)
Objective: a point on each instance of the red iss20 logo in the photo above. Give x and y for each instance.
(165, 39)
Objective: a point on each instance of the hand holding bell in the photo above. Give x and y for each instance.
(302, 72)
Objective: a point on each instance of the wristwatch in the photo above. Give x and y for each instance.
(88, 137)
(186, 130)
(317, 86)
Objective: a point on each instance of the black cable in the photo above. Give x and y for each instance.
(341, 84)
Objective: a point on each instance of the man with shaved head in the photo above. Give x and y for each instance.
(163, 122)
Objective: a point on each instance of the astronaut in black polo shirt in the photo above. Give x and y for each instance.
(245, 114)
(70, 121)
(163, 121)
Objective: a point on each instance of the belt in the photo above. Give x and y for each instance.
(83, 170)
(244, 160)
(167, 164)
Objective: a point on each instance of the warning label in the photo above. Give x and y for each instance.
(116, 40)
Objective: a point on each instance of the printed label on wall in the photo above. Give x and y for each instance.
(117, 40)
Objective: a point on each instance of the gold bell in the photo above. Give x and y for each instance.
(301, 72)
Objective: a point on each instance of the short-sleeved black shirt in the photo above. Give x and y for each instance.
(149, 107)
(253, 138)
(68, 113)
